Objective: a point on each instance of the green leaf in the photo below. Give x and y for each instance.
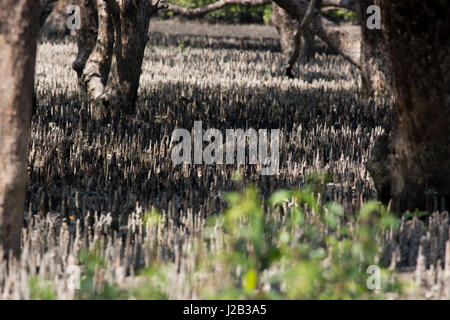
(331, 221)
(279, 197)
(250, 280)
(233, 198)
(368, 209)
(237, 176)
(336, 209)
(152, 217)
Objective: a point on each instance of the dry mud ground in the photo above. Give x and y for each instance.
(92, 179)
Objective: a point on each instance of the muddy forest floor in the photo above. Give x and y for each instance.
(106, 174)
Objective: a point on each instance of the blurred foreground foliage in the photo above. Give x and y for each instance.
(307, 254)
(289, 247)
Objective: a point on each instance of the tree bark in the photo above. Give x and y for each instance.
(376, 165)
(291, 37)
(19, 26)
(375, 71)
(54, 18)
(111, 45)
(131, 20)
(288, 26)
(332, 34)
(86, 37)
(46, 8)
(97, 67)
(418, 46)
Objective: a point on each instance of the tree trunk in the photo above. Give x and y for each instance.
(375, 71)
(98, 64)
(131, 21)
(86, 37)
(111, 45)
(290, 37)
(46, 9)
(332, 34)
(287, 26)
(54, 18)
(309, 45)
(417, 39)
(19, 26)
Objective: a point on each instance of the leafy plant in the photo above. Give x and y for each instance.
(182, 46)
(41, 289)
(342, 15)
(306, 254)
(93, 286)
(317, 181)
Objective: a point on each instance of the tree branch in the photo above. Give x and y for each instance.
(193, 12)
(157, 5)
(352, 5)
(307, 17)
(200, 11)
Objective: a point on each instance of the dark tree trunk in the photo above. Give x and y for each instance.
(309, 45)
(375, 71)
(111, 45)
(99, 53)
(418, 45)
(286, 24)
(54, 18)
(378, 169)
(86, 38)
(131, 21)
(46, 9)
(332, 34)
(19, 26)
(291, 37)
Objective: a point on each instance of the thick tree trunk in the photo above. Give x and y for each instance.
(19, 26)
(309, 45)
(131, 21)
(286, 24)
(378, 169)
(54, 18)
(111, 45)
(86, 37)
(375, 71)
(96, 71)
(291, 37)
(418, 45)
(332, 34)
